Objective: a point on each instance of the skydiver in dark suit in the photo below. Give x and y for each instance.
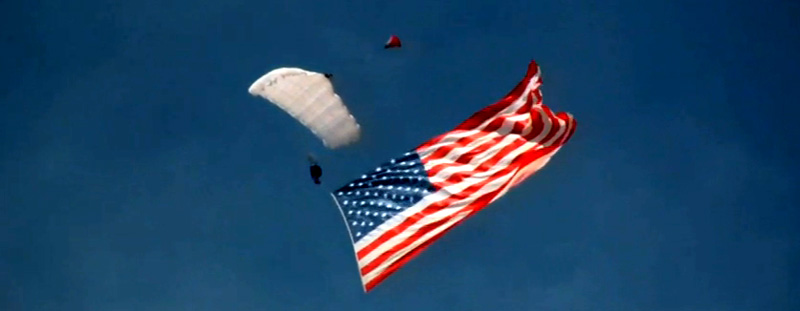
(315, 170)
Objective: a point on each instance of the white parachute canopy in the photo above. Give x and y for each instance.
(309, 97)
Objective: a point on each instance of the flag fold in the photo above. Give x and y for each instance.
(396, 210)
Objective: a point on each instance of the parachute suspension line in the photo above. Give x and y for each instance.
(349, 233)
(325, 187)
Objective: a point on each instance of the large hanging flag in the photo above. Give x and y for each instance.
(405, 204)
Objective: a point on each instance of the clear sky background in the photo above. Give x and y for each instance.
(139, 174)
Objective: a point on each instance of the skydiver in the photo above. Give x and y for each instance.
(315, 170)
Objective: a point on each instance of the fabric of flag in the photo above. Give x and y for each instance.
(405, 204)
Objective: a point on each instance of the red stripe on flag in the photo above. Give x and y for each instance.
(483, 200)
(443, 151)
(493, 126)
(435, 207)
(487, 165)
(481, 168)
(487, 121)
(516, 92)
(479, 117)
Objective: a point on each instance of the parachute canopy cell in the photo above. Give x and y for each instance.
(310, 98)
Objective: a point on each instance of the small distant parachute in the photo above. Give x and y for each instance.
(393, 42)
(310, 98)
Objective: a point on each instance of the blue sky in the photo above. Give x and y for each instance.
(138, 174)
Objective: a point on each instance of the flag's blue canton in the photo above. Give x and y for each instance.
(377, 196)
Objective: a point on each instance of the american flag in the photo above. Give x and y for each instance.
(405, 204)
